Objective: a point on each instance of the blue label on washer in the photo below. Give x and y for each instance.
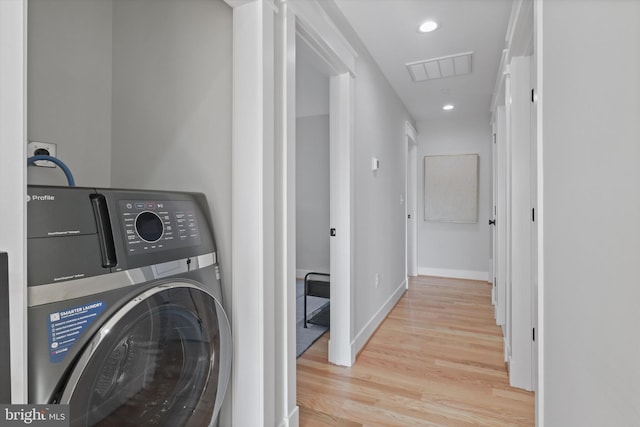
(66, 326)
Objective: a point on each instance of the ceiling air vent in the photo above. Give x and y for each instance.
(438, 68)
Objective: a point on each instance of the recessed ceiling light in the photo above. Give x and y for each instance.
(428, 26)
(448, 107)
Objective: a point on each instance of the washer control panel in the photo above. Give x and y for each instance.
(156, 225)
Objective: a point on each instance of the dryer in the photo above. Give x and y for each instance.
(126, 323)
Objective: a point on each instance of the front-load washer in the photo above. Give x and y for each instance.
(126, 323)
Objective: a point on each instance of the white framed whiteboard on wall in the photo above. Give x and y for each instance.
(451, 188)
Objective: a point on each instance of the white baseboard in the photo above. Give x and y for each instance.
(363, 336)
(507, 349)
(454, 274)
(293, 420)
(301, 273)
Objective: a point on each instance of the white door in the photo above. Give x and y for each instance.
(520, 363)
(500, 248)
(411, 201)
(534, 228)
(492, 224)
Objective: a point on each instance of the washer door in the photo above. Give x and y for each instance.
(164, 359)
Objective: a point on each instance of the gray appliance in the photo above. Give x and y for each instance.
(126, 323)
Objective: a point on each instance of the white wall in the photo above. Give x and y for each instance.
(312, 82)
(379, 211)
(449, 249)
(591, 210)
(312, 194)
(137, 94)
(154, 77)
(69, 87)
(379, 222)
(171, 103)
(172, 107)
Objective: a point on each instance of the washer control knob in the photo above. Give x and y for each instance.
(149, 226)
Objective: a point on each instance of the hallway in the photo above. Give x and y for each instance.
(436, 360)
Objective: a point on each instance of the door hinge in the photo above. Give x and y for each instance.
(533, 214)
(534, 334)
(332, 232)
(533, 96)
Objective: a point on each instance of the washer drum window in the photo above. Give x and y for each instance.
(162, 360)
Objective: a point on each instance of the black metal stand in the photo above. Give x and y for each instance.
(316, 286)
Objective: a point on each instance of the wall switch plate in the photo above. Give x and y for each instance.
(48, 148)
(375, 164)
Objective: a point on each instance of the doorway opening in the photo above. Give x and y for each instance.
(312, 197)
(340, 98)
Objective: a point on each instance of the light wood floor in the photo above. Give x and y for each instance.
(435, 361)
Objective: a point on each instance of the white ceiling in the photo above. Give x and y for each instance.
(389, 29)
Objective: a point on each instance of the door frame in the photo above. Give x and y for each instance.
(318, 32)
(263, 202)
(539, 177)
(341, 218)
(13, 181)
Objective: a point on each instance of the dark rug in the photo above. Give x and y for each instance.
(307, 336)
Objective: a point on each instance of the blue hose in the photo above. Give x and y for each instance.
(58, 162)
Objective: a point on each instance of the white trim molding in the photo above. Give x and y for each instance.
(541, 325)
(285, 219)
(341, 217)
(454, 274)
(253, 266)
(13, 181)
(292, 420)
(411, 132)
(319, 31)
